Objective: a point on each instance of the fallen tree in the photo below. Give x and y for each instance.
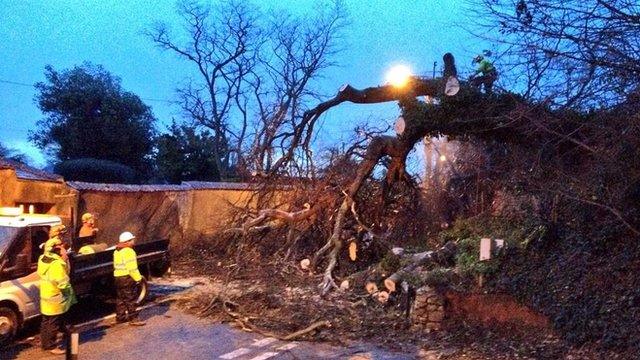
(438, 257)
(503, 122)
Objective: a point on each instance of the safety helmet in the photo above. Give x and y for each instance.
(86, 217)
(126, 236)
(50, 244)
(478, 58)
(57, 230)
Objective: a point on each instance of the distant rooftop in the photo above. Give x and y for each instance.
(26, 172)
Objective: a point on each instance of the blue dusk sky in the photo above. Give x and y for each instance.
(64, 33)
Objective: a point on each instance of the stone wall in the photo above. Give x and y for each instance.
(431, 307)
(180, 214)
(210, 211)
(149, 215)
(428, 310)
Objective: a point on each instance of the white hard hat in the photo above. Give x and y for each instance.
(126, 236)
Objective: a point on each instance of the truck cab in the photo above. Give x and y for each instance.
(20, 238)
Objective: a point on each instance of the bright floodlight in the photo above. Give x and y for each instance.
(398, 75)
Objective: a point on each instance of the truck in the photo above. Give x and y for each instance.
(91, 274)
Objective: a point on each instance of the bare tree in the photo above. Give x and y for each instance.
(222, 44)
(297, 52)
(582, 53)
(255, 74)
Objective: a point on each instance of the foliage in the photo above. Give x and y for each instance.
(562, 189)
(438, 277)
(390, 263)
(184, 153)
(468, 259)
(12, 154)
(96, 170)
(89, 115)
(584, 281)
(517, 232)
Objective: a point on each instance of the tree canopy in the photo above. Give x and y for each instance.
(186, 154)
(89, 115)
(96, 170)
(12, 154)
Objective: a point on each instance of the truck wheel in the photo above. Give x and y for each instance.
(143, 291)
(8, 325)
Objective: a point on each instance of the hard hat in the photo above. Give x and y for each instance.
(478, 58)
(126, 236)
(86, 217)
(50, 244)
(57, 230)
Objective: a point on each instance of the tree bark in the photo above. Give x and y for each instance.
(415, 260)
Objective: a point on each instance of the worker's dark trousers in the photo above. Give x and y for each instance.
(126, 299)
(49, 328)
(487, 80)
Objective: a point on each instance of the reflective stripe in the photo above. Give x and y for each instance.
(63, 280)
(58, 297)
(125, 263)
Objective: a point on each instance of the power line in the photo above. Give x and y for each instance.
(15, 83)
(31, 86)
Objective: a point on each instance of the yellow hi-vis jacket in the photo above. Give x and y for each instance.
(56, 293)
(125, 263)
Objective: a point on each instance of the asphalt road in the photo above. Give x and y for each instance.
(171, 334)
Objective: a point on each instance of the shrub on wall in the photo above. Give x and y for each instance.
(96, 170)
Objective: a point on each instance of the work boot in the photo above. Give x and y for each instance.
(137, 322)
(58, 351)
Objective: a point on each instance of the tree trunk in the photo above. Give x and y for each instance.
(438, 256)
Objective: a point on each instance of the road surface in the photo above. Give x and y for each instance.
(172, 334)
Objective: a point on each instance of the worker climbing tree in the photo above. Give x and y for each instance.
(486, 73)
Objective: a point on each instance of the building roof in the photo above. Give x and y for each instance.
(189, 185)
(25, 172)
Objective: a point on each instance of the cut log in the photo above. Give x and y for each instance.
(391, 281)
(304, 264)
(371, 287)
(383, 297)
(353, 249)
(415, 260)
(344, 285)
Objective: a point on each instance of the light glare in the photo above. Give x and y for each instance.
(398, 75)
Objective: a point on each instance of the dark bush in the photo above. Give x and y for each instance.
(97, 170)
